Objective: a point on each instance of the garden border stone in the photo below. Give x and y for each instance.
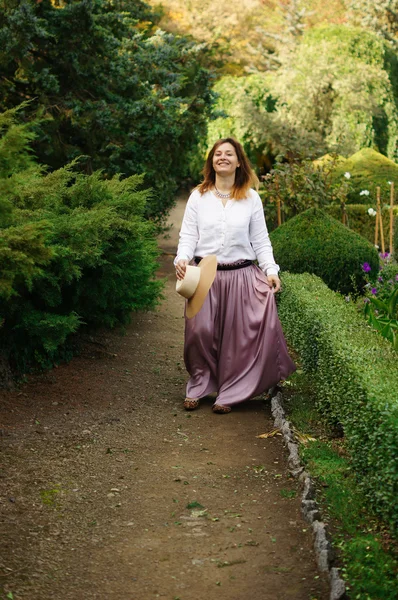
(322, 545)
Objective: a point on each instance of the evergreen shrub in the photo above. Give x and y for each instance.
(74, 249)
(314, 242)
(368, 169)
(355, 374)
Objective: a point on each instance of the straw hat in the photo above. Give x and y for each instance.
(196, 284)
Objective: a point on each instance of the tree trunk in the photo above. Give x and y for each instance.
(6, 378)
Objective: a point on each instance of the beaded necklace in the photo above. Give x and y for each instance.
(221, 195)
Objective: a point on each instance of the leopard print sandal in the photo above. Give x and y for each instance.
(221, 410)
(191, 403)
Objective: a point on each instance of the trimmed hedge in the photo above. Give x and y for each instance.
(368, 170)
(314, 242)
(356, 379)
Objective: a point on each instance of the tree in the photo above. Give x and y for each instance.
(380, 16)
(247, 36)
(108, 85)
(336, 91)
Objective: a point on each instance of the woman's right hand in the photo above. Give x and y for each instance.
(181, 268)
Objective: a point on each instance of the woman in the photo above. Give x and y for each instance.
(234, 346)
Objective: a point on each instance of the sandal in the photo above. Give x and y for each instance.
(221, 410)
(191, 403)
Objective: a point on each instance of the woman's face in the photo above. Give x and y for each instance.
(225, 160)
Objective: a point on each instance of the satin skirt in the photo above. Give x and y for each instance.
(235, 345)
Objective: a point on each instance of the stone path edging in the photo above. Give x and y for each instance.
(322, 546)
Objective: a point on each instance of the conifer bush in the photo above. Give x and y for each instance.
(74, 249)
(314, 242)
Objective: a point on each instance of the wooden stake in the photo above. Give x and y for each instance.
(391, 218)
(344, 214)
(377, 217)
(380, 221)
(278, 200)
(278, 210)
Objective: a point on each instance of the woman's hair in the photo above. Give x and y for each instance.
(245, 177)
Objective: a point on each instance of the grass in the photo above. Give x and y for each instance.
(367, 552)
(49, 497)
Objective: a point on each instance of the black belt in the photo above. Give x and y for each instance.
(240, 264)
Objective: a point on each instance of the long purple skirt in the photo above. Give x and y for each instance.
(234, 345)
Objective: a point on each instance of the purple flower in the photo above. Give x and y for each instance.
(380, 279)
(374, 291)
(396, 277)
(366, 267)
(384, 255)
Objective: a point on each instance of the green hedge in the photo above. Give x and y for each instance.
(356, 378)
(368, 169)
(314, 242)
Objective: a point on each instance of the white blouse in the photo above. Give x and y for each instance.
(231, 232)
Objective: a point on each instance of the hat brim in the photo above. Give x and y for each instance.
(208, 270)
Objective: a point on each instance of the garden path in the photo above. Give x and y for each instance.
(109, 490)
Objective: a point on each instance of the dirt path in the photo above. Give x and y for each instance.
(109, 490)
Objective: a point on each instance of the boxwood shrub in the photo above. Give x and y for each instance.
(355, 374)
(368, 169)
(314, 242)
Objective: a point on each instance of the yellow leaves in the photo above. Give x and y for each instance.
(303, 438)
(270, 434)
(58, 3)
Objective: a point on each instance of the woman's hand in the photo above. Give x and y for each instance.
(181, 268)
(274, 282)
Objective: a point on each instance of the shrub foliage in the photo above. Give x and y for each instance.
(356, 378)
(75, 249)
(314, 242)
(368, 170)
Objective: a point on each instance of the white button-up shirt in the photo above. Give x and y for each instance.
(231, 232)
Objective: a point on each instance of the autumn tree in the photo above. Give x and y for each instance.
(378, 15)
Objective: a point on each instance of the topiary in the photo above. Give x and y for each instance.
(368, 169)
(314, 242)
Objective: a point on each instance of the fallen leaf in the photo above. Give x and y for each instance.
(303, 438)
(272, 433)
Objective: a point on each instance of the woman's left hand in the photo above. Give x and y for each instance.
(274, 282)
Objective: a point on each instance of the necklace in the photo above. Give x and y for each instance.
(221, 195)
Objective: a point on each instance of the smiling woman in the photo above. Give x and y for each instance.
(234, 345)
(227, 171)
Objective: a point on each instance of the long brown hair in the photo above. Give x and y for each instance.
(245, 177)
